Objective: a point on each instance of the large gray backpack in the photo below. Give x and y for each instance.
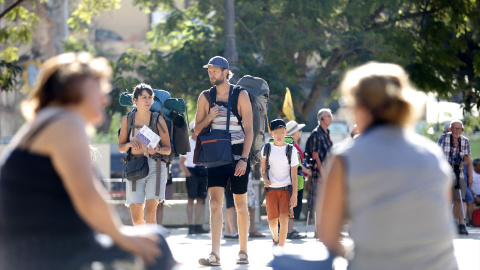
(258, 93)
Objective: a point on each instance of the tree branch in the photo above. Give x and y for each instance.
(219, 5)
(250, 32)
(10, 8)
(318, 86)
(401, 18)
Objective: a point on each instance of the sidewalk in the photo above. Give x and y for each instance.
(188, 249)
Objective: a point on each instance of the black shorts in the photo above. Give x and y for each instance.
(197, 183)
(298, 209)
(218, 177)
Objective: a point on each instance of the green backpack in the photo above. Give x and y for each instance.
(300, 179)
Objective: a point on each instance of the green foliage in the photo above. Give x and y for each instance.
(280, 40)
(86, 10)
(72, 44)
(8, 74)
(17, 31)
(112, 135)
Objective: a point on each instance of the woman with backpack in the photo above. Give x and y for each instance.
(148, 191)
(52, 205)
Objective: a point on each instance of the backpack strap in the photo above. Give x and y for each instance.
(288, 152)
(211, 96)
(236, 93)
(266, 153)
(159, 174)
(27, 140)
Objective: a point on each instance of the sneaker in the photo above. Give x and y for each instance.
(200, 230)
(228, 236)
(191, 229)
(462, 229)
(295, 235)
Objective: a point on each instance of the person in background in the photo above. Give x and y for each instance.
(196, 185)
(295, 131)
(48, 163)
(469, 200)
(446, 128)
(147, 192)
(168, 196)
(252, 207)
(316, 149)
(380, 193)
(456, 148)
(476, 181)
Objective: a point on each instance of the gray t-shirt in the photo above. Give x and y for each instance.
(396, 186)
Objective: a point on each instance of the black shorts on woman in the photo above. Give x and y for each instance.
(218, 176)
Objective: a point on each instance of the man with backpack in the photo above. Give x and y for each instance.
(279, 171)
(214, 117)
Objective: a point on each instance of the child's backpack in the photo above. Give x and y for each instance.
(289, 141)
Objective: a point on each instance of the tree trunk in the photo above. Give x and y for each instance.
(318, 86)
(230, 50)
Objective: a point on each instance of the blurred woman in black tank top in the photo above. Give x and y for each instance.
(51, 205)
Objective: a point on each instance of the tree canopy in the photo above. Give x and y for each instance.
(307, 45)
(302, 44)
(20, 20)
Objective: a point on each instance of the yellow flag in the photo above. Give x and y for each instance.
(288, 106)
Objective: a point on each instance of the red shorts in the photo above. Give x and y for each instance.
(278, 202)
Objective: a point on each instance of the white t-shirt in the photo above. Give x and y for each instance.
(189, 155)
(279, 173)
(476, 182)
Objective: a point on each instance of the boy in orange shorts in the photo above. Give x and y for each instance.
(279, 171)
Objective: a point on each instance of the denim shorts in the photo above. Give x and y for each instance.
(145, 187)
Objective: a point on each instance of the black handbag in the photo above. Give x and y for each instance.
(137, 168)
(216, 146)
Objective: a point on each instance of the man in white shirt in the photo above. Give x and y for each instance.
(196, 185)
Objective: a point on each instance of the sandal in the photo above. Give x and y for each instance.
(208, 262)
(275, 243)
(295, 235)
(242, 260)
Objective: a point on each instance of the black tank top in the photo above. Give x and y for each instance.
(32, 196)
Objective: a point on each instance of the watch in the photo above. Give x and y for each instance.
(243, 159)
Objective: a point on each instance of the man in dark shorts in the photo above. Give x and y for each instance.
(241, 130)
(196, 186)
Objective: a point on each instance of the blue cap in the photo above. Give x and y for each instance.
(277, 123)
(218, 61)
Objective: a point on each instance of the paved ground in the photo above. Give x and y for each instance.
(188, 249)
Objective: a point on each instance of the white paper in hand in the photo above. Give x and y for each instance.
(148, 137)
